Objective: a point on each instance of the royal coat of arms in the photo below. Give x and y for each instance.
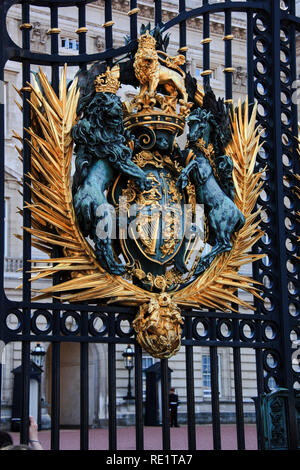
(143, 220)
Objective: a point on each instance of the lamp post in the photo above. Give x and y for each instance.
(38, 355)
(128, 356)
(38, 358)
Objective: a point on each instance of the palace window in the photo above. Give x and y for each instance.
(147, 361)
(70, 44)
(206, 375)
(198, 72)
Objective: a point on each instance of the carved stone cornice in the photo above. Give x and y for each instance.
(147, 11)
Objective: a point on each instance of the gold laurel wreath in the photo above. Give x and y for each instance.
(54, 222)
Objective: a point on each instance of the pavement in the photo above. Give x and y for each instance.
(98, 438)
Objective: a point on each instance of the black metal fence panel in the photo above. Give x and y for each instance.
(271, 59)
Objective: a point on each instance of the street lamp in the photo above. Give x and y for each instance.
(38, 355)
(128, 356)
(38, 358)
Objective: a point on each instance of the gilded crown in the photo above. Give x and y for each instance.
(146, 41)
(108, 82)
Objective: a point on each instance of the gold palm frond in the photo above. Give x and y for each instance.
(54, 223)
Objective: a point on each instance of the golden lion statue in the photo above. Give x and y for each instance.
(151, 73)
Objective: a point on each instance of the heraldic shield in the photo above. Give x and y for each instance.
(155, 229)
(142, 221)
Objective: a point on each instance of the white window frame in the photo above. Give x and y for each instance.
(151, 360)
(69, 41)
(207, 389)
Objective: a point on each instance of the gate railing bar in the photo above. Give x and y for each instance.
(214, 379)
(133, 21)
(260, 382)
(1, 375)
(11, 305)
(85, 307)
(206, 47)
(280, 228)
(55, 391)
(251, 78)
(189, 366)
(238, 388)
(109, 340)
(182, 32)
(250, 57)
(26, 155)
(54, 33)
(84, 386)
(108, 29)
(290, 19)
(139, 424)
(25, 377)
(165, 405)
(82, 31)
(20, 55)
(2, 190)
(112, 418)
(228, 56)
(157, 13)
(255, 269)
(295, 130)
(225, 343)
(189, 361)
(212, 8)
(55, 384)
(60, 3)
(215, 403)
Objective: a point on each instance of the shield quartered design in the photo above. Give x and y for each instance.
(156, 222)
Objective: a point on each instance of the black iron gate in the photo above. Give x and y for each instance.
(272, 27)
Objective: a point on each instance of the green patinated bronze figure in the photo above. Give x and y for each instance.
(223, 217)
(101, 154)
